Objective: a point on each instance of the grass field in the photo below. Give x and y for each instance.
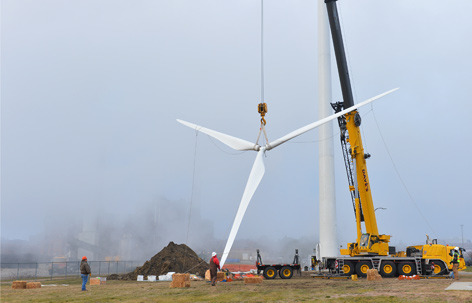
(300, 289)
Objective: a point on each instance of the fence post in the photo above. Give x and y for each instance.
(36, 271)
(18, 272)
(52, 269)
(66, 269)
(99, 267)
(108, 267)
(116, 271)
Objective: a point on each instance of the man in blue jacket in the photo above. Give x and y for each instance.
(85, 272)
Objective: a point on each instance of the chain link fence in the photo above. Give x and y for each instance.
(56, 270)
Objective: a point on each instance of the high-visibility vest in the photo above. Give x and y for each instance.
(455, 257)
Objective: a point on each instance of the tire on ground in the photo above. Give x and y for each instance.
(406, 269)
(286, 272)
(388, 269)
(362, 267)
(439, 267)
(348, 268)
(270, 272)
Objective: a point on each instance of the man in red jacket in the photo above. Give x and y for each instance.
(214, 266)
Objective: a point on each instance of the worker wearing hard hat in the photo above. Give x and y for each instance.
(455, 263)
(214, 266)
(85, 272)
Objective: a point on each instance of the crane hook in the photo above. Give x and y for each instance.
(262, 109)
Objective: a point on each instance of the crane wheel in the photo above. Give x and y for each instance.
(270, 273)
(388, 269)
(286, 272)
(406, 269)
(348, 268)
(362, 267)
(439, 267)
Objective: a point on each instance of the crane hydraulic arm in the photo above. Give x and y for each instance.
(370, 242)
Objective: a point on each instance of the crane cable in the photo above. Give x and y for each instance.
(262, 107)
(191, 192)
(262, 51)
(346, 36)
(399, 176)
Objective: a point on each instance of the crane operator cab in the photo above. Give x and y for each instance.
(370, 244)
(364, 242)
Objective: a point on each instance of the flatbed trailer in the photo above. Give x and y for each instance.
(285, 271)
(387, 266)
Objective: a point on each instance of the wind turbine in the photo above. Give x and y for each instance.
(258, 169)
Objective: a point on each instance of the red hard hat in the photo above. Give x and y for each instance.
(84, 258)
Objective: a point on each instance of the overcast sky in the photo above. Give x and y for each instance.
(90, 91)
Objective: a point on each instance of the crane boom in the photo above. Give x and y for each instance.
(369, 242)
(338, 44)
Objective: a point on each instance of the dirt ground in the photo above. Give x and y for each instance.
(297, 289)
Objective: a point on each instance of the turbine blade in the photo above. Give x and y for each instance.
(233, 142)
(308, 127)
(255, 178)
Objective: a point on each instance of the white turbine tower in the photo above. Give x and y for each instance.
(328, 235)
(258, 169)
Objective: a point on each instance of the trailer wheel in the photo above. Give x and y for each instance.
(286, 272)
(362, 267)
(348, 268)
(388, 269)
(270, 273)
(439, 267)
(407, 269)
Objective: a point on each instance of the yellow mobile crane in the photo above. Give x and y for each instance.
(371, 249)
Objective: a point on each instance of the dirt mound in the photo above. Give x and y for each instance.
(173, 257)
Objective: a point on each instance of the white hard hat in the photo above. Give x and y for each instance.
(213, 254)
(456, 248)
